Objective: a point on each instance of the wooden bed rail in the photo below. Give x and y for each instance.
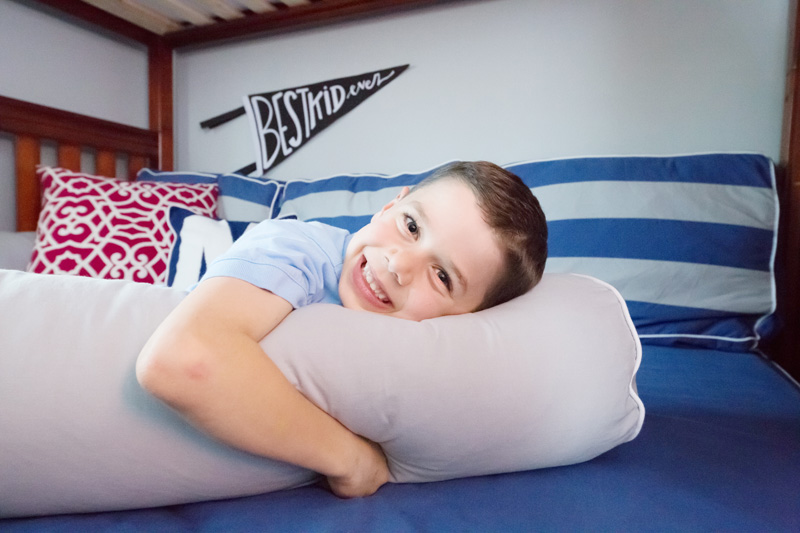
(787, 345)
(32, 124)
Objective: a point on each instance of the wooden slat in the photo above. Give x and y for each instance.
(140, 15)
(219, 8)
(135, 164)
(27, 154)
(32, 123)
(69, 156)
(106, 163)
(187, 12)
(88, 13)
(258, 6)
(24, 118)
(297, 17)
(264, 19)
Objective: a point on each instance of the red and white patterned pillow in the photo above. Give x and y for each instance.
(105, 228)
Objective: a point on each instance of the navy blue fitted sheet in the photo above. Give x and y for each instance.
(719, 450)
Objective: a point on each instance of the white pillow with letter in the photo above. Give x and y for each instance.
(198, 241)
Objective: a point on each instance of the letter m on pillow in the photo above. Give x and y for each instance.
(198, 241)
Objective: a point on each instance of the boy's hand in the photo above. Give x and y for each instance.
(367, 475)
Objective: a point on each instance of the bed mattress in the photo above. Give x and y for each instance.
(719, 450)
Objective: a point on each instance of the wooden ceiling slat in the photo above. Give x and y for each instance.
(257, 6)
(301, 16)
(217, 20)
(179, 11)
(100, 17)
(137, 14)
(220, 8)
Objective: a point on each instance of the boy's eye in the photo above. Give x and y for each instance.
(444, 278)
(411, 224)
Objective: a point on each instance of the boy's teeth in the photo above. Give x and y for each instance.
(372, 284)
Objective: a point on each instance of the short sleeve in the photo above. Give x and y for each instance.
(299, 261)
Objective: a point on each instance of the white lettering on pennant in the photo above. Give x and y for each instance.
(338, 94)
(367, 85)
(297, 139)
(264, 129)
(286, 119)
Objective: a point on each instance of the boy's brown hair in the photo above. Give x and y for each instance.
(513, 212)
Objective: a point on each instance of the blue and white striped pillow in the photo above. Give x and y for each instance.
(347, 201)
(241, 198)
(689, 241)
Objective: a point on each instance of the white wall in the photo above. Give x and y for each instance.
(60, 64)
(508, 80)
(52, 62)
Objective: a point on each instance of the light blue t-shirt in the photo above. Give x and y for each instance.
(299, 261)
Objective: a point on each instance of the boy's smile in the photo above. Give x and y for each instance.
(425, 254)
(366, 275)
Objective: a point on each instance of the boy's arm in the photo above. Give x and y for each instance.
(204, 361)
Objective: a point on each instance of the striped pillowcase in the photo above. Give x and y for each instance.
(689, 241)
(346, 202)
(241, 198)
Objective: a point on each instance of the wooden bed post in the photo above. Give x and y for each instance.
(788, 350)
(160, 89)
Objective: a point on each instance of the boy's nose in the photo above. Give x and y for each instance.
(400, 263)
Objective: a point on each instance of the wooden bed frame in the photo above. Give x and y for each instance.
(32, 124)
(73, 134)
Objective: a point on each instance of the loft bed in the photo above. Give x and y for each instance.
(720, 447)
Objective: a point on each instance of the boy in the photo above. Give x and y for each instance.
(469, 237)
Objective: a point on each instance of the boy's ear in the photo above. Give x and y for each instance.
(403, 193)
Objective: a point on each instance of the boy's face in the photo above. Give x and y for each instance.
(425, 254)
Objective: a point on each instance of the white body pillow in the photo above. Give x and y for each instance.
(544, 380)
